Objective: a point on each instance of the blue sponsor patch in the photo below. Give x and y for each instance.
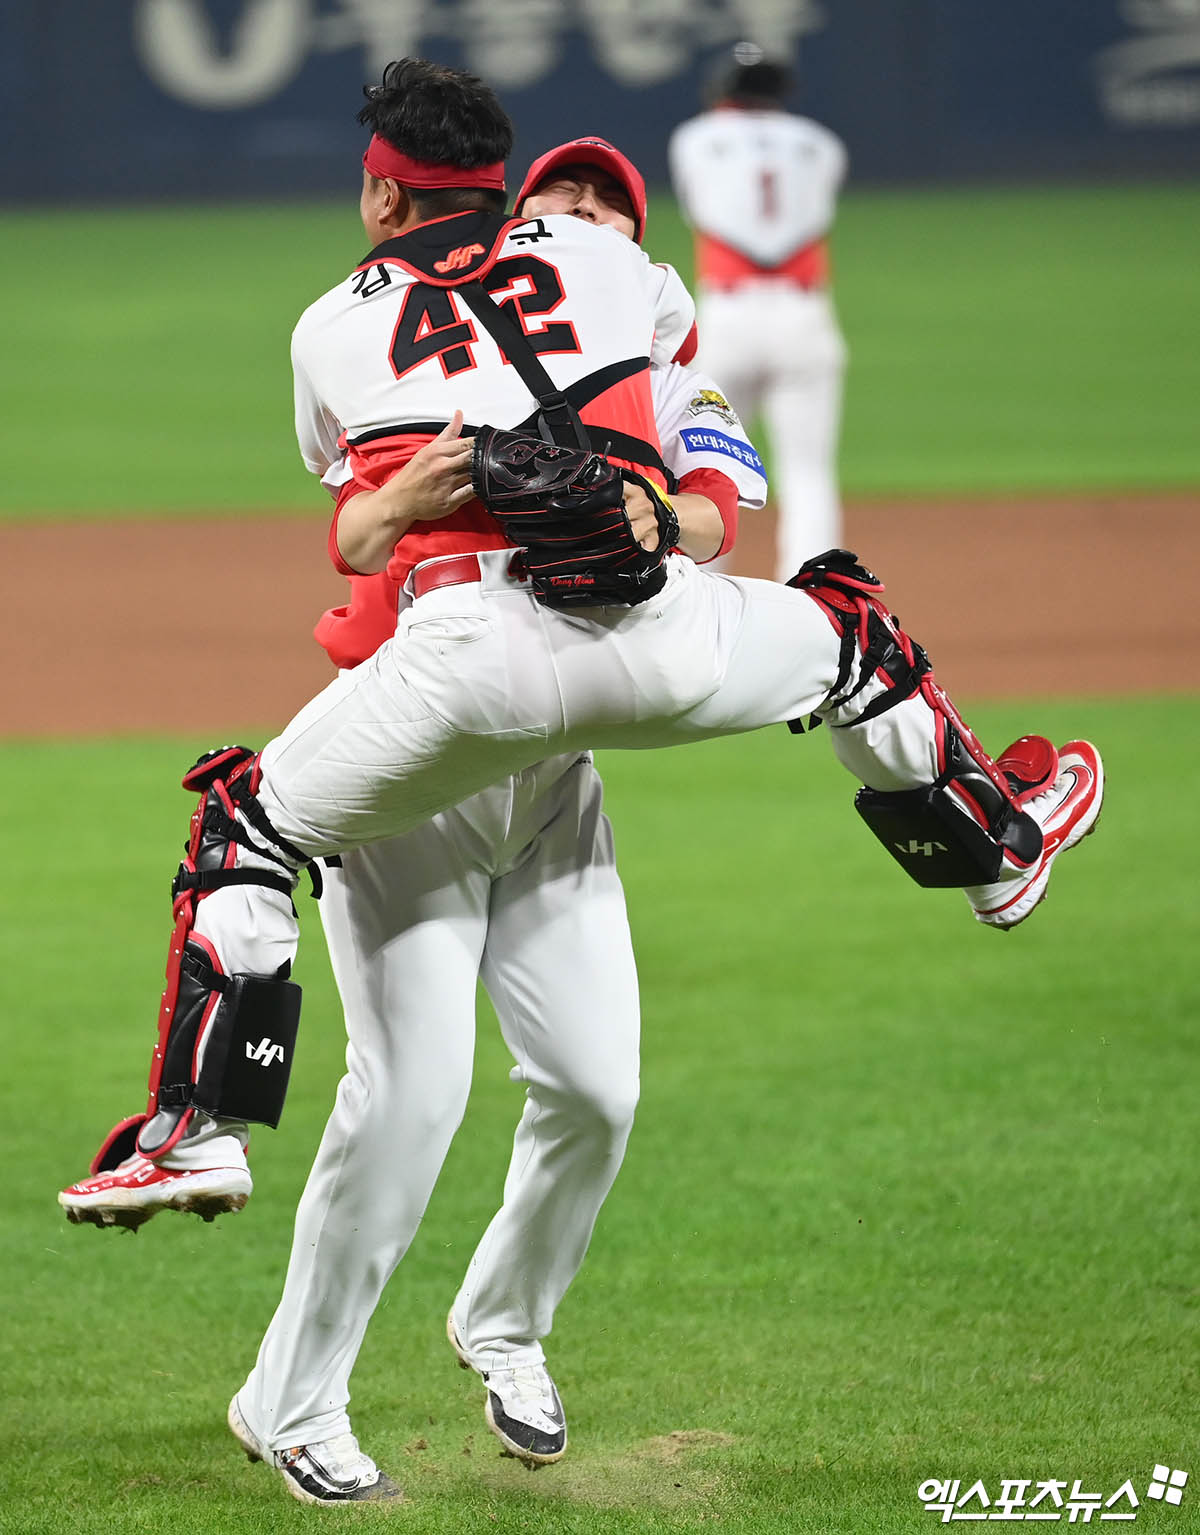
(702, 439)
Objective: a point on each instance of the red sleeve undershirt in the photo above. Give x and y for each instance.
(348, 491)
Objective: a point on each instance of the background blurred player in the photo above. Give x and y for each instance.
(759, 184)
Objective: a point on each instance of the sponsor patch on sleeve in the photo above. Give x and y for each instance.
(703, 439)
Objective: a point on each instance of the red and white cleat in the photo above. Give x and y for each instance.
(1066, 810)
(130, 1194)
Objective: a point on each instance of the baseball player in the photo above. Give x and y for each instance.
(540, 624)
(506, 883)
(759, 185)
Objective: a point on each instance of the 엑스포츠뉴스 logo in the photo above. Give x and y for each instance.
(1046, 1501)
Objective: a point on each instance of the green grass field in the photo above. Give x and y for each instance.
(1001, 340)
(906, 1198)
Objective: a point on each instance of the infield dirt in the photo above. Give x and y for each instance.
(195, 625)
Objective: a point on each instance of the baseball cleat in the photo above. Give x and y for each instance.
(1066, 810)
(128, 1195)
(522, 1407)
(330, 1471)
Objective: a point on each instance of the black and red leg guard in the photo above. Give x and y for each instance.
(225, 1042)
(959, 829)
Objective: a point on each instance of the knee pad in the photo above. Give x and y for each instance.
(958, 830)
(873, 645)
(225, 1042)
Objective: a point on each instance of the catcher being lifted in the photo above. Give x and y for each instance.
(565, 508)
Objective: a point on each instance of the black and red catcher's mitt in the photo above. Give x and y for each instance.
(564, 508)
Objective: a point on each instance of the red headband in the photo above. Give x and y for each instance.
(386, 161)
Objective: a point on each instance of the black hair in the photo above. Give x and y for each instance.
(431, 112)
(440, 202)
(750, 79)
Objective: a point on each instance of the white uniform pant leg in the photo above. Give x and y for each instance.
(462, 696)
(802, 407)
(405, 922)
(559, 967)
(480, 683)
(780, 655)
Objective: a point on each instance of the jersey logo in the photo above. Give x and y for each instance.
(710, 400)
(460, 257)
(703, 440)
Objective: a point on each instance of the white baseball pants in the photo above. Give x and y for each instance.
(480, 682)
(519, 884)
(779, 354)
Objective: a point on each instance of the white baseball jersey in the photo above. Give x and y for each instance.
(699, 429)
(765, 183)
(384, 352)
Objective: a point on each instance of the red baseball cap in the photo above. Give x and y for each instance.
(598, 152)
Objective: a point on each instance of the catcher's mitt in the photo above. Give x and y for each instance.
(564, 507)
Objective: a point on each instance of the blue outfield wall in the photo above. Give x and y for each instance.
(178, 98)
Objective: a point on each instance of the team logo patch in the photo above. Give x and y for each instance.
(710, 401)
(703, 439)
(462, 256)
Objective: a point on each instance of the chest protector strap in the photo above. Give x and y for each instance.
(459, 253)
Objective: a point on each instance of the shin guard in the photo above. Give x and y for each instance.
(225, 1042)
(959, 829)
